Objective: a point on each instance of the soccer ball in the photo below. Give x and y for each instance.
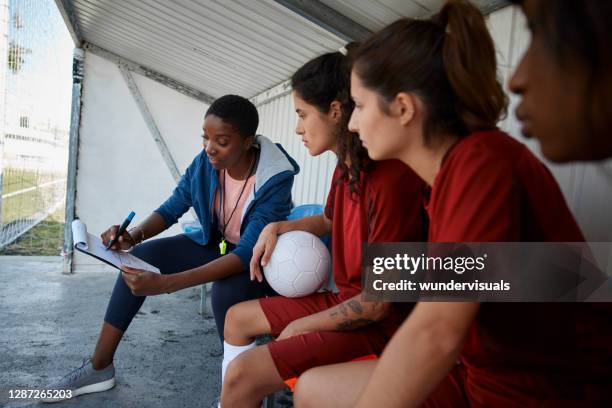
(299, 264)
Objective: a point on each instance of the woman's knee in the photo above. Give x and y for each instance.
(237, 372)
(239, 383)
(305, 394)
(232, 318)
(147, 251)
(249, 378)
(244, 320)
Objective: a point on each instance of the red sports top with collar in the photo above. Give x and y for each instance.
(389, 208)
(491, 188)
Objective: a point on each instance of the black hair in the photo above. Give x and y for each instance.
(576, 29)
(320, 82)
(238, 112)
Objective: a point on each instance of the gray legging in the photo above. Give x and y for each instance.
(177, 254)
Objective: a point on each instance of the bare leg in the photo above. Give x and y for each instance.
(336, 385)
(107, 344)
(243, 322)
(250, 377)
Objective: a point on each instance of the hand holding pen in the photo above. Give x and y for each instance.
(116, 237)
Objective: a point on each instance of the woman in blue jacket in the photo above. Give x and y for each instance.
(239, 183)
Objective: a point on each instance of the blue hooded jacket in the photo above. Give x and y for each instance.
(269, 201)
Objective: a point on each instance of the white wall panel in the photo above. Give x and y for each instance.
(593, 200)
(500, 26)
(120, 168)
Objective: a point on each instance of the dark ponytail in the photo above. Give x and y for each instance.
(320, 82)
(469, 61)
(447, 60)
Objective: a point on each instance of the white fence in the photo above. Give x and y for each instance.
(35, 79)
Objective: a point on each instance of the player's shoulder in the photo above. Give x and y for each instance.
(488, 146)
(390, 171)
(483, 153)
(393, 178)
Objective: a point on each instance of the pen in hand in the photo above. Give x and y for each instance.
(121, 230)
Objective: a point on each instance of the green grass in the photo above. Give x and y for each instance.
(17, 179)
(46, 238)
(26, 205)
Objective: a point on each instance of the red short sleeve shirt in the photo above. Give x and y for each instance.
(389, 209)
(492, 188)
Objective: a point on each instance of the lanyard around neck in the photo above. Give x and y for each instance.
(224, 223)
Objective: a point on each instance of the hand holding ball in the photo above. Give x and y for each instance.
(299, 264)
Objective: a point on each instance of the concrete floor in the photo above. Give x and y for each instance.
(49, 322)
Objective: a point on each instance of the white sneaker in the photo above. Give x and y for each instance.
(83, 380)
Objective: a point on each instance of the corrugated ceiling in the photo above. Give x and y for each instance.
(225, 46)
(375, 14)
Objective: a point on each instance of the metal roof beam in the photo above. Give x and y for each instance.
(271, 94)
(153, 129)
(150, 122)
(327, 18)
(70, 19)
(489, 6)
(151, 74)
(78, 70)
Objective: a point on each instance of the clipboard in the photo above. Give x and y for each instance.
(91, 245)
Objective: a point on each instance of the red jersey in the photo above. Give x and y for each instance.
(388, 209)
(492, 188)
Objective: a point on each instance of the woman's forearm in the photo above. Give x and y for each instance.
(349, 315)
(420, 355)
(316, 224)
(220, 268)
(150, 227)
